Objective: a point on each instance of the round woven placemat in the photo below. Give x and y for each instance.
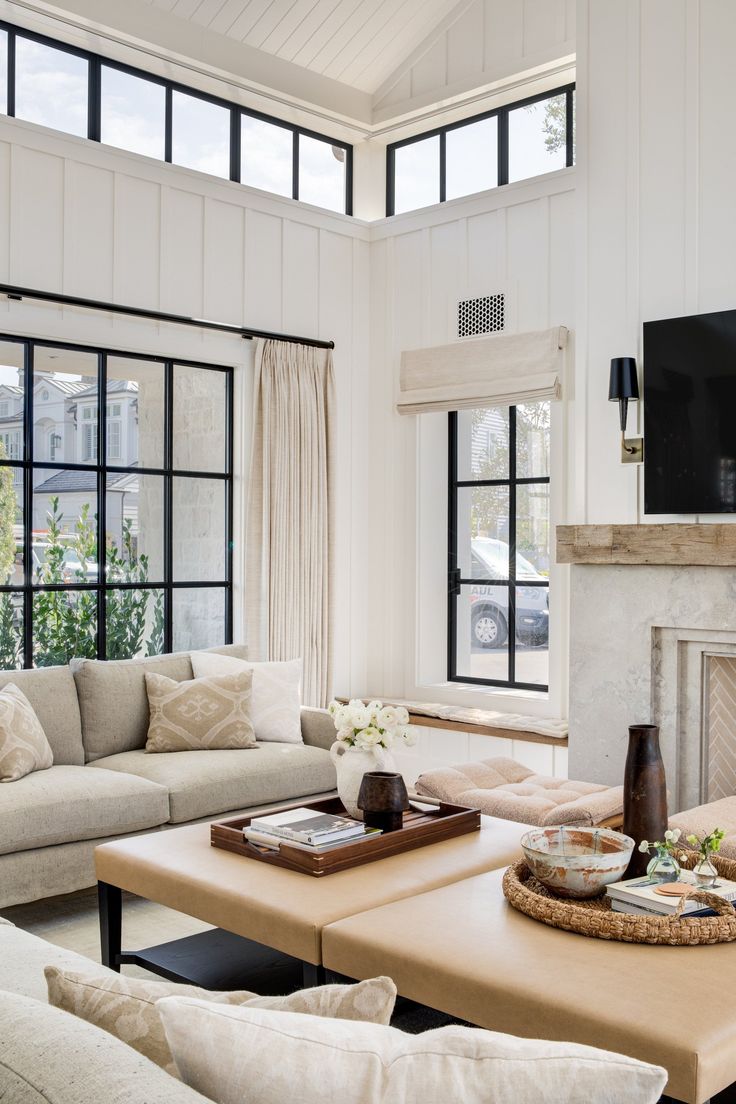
(596, 918)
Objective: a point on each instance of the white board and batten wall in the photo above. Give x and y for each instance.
(91, 221)
(656, 227)
(518, 240)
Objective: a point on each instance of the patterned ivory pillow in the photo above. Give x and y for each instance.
(201, 714)
(23, 744)
(126, 1006)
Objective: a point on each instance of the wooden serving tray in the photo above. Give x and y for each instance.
(419, 830)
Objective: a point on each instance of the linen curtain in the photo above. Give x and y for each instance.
(492, 371)
(290, 518)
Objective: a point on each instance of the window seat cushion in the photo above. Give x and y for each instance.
(504, 788)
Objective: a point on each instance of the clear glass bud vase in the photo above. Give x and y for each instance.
(705, 872)
(663, 867)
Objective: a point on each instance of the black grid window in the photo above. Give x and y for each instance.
(116, 504)
(81, 93)
(514, 142)
(498, 547)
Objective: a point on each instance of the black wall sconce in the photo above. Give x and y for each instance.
(624, 388)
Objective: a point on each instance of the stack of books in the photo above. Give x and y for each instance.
(640, 897)
(307, 830)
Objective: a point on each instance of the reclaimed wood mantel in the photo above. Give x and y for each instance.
(667, 545)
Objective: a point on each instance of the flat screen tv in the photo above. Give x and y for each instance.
(690, 414)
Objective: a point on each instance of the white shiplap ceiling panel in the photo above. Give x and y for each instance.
(358, 42)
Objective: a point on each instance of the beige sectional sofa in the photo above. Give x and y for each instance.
(103, 785)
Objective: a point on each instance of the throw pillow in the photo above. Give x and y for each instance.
(23, 744)
(220, 1051)
(126, 1006)
(276, 709)
(200, 714)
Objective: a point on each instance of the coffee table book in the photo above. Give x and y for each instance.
(421, 827)
(644, 894)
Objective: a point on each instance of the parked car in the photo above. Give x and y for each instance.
(489, 559)
(72, 569)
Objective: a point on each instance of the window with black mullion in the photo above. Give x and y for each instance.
(497, 600)
(122, 490)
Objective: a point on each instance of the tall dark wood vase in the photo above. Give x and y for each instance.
(645, 794)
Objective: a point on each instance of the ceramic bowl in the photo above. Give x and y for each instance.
(577, 862)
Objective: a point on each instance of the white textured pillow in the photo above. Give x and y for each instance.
(127, 1007)
(276, 703)
(23, 744)
(234, 1055)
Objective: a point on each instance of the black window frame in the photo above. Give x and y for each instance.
(502, 138)
(94, 109)
(168, 472)
(455, 580)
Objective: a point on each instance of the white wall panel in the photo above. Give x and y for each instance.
(36, 219)
(89, 219)
(137, 267)
(224, 261)
(182, 252)
(263, 268)
(300, 288)
(5, 159)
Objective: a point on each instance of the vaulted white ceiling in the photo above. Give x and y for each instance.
(357, 42)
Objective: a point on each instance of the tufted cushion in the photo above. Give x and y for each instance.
(504, 788)
(701, 821)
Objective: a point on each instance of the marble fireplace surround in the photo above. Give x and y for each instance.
(650, 606)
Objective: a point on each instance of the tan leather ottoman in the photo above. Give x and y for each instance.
(462, 949)
(279, 908)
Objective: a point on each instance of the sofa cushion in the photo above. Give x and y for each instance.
(219, 1049)
(201, 714)
(126, 1006)
(64, 804)
(23, 744)
(53, 695)
(276, 693)
(113, 700)
(207, 785)
(50, 1057)
(24, 957)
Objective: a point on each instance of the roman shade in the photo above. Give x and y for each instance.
(501, 370)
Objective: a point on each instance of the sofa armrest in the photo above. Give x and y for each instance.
(318, 728)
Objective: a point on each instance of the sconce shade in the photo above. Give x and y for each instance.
(624, 383)
(623, 386)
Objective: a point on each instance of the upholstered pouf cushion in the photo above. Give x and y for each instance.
(701, 821)
(504, 788)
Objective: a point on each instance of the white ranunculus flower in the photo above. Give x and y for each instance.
(408, 735)
(369, 737)
(402, 715)
(673, 835)
(387, 718)
(360, 716)
(644, 846)
(341, 717)
(333, 707)
(375, 706)
(344, 734)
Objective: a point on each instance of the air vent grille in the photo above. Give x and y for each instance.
(482, 315)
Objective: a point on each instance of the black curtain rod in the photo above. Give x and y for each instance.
(19, 293)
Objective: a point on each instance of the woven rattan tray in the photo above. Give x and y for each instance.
(597, 919)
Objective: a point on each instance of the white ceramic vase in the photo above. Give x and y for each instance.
(351, 764)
